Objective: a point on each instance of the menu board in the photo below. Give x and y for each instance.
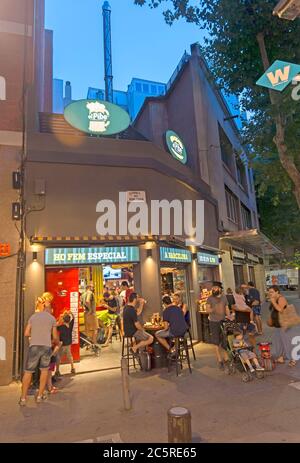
(74, 303)
(205, 292)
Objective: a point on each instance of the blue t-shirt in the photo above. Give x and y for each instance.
(254, 295)
(174, 316)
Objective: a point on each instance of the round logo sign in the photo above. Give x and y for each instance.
(97, 117)
(176, 146)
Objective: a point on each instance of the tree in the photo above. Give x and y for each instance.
(244, 38)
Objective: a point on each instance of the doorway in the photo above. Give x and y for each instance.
(67, 286)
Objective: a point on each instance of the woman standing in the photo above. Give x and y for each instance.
(282, 339)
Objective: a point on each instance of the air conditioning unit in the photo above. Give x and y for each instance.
(287, 9)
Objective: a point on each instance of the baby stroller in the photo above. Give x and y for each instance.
(84, 341)
(236, 361)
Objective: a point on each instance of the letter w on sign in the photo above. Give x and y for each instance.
(279, 75)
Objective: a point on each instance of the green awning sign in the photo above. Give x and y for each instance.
(176, 146)
(97, 117)
(175, 255)
(84, 256)
(207, 259)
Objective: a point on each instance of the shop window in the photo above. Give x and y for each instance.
(238, 275)
(232, 205)
(138, 87)
(226, 148)
(153, 89)
(246, 218)
(251, 274)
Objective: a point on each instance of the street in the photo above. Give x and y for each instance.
(223, 408)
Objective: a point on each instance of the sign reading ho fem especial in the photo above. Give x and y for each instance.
(83, 256)
(97, 117)
(175, 255)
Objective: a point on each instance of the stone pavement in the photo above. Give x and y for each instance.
(223, 408)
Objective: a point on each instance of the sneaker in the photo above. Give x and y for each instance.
(22, 402)
(259, 368)
(73, 371)
(57, 374)
(41, 398)
(252, 370)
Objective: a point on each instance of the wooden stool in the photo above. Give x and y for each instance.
(127, 343)
(190, 344)
(180, 355)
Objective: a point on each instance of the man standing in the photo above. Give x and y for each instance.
(174, 323)
(254, 299)
(217, 307)
(41, 325)
(132, 327)
(88, 302)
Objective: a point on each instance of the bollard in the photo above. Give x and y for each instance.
(179, 425)
(125, 384)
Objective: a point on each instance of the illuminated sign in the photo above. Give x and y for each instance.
(83, 256)
(175, 255)
(207, 259)
(176, 146)
(97, 117)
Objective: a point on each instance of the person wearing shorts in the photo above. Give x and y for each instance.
(132, 327)
(40, 327)
(174, 323)
(88, 302)
(217, 307)
(254, 299)
(65, 335)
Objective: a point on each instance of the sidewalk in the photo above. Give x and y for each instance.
(223, 408)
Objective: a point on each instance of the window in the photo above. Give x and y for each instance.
(145, 88)
(232, 205)
(153, 89)
(161, 90)
(241, 172)
(246, 218)
(226, 148)
(138, 87)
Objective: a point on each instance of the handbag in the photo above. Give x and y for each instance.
(289, 317)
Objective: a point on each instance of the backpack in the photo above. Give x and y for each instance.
(145, 361)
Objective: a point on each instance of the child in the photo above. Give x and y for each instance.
(65, 335)
(55, 348)
(246, 354)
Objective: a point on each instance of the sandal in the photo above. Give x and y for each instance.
(292, 363)
(281, 362)
(53, 390)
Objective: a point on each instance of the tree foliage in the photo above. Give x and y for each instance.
(242, 37)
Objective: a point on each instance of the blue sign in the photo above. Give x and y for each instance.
(205, 258)
(175, 255)
(279, 75)
(88, 256)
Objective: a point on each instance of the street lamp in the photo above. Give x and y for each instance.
(287, 9)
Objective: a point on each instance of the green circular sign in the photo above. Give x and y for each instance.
(97, 117)
(176, 146)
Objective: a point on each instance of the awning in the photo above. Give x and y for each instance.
(253, 240)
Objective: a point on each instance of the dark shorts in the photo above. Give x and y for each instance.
(256, 309)
(216, 335)
(38, 356)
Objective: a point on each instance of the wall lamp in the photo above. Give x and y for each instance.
(34, 256)
(149, 252)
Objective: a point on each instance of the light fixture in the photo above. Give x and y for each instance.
(34, 256)
(149, 252)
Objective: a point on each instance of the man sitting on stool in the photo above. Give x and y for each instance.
(174, 323)
(132, 327)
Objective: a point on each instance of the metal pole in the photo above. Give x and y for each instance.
(179, 425)
(125, 384)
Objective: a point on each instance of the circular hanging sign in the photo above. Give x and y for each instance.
(97, 117)
(176, 146)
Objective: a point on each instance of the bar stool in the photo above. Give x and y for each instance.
(127, 343)
(190, 344)
(180, 355)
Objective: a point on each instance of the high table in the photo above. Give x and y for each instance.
(159, 353)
